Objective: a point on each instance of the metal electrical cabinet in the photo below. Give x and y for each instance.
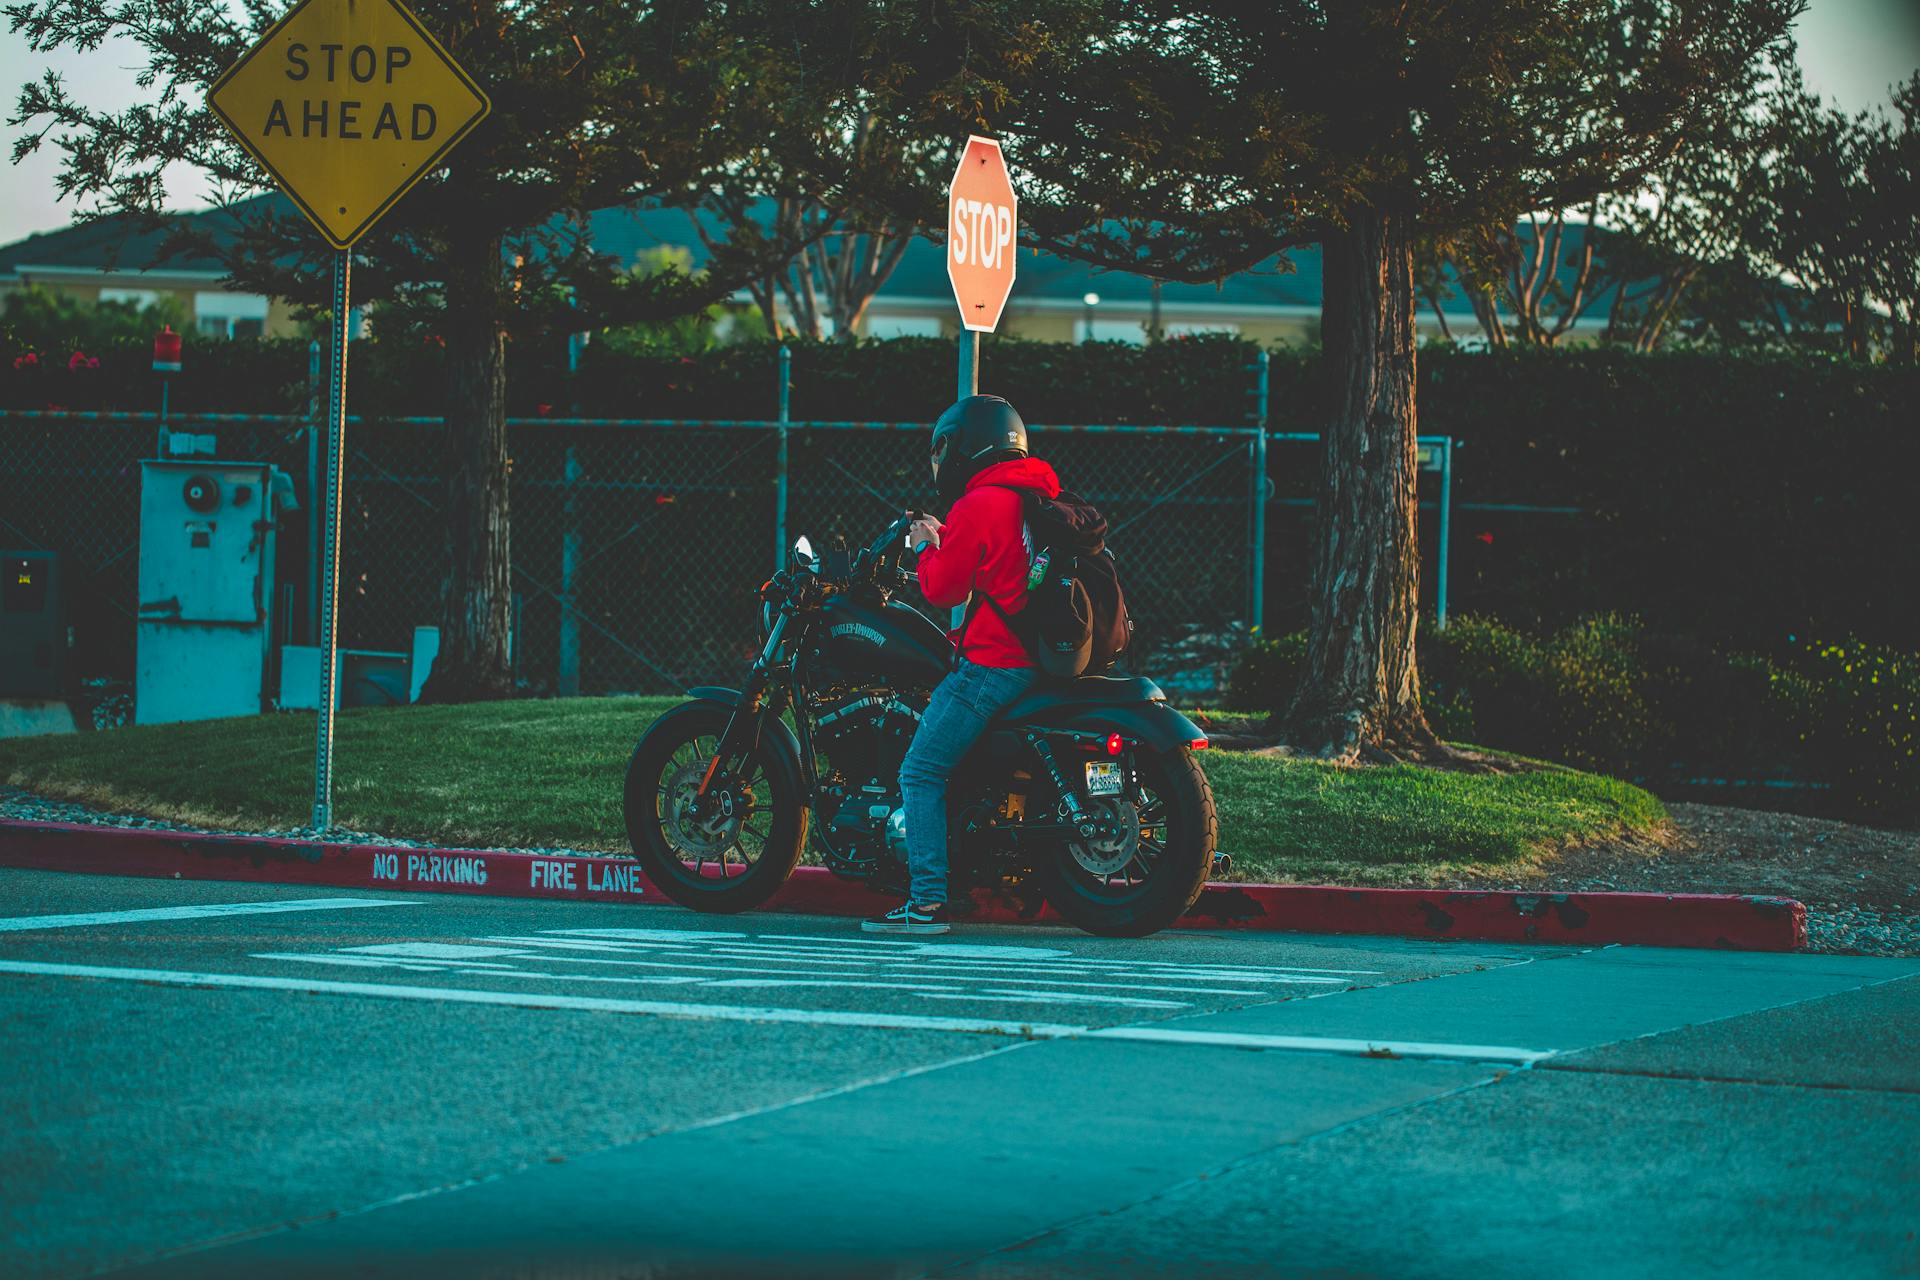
(33, 626)
(204, 639)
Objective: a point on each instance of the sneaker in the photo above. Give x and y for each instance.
(910, 917)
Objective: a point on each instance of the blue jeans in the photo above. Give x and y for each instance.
(959, 711)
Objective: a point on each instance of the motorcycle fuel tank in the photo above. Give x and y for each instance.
(861, 642)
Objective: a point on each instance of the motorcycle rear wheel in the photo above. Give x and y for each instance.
(1160, 875)
(703, 860)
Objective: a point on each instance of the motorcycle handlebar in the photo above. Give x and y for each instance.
(882, 545)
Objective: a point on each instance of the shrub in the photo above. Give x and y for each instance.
(1609, 694)
(1266, 673)
(1865, 728)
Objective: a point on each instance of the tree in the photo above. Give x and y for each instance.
(848, 249)
(1892, 171)
(1816, 224)
(1192, 140)
(594, 106)
(1639, 245)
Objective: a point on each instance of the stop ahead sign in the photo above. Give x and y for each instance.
(981, 223)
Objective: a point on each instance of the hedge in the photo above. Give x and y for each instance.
(1607, 693)
(1739, 498)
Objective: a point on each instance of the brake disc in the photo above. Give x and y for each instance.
(1108, 854)
(689, 831)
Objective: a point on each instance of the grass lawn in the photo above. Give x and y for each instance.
(548, 773)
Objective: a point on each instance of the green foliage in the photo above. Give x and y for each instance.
(1606, 693)
(53, 325)
(1865, 729)
(686, 335)
(1230, 132)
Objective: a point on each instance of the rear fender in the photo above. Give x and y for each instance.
(1152, 724)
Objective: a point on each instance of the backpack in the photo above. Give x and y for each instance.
(1075, 622)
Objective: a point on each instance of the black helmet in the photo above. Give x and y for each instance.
(974, 433)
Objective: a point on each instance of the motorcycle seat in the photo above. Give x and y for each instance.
(1112, 690)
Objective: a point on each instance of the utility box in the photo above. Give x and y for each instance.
(204, 637)
(33, 626)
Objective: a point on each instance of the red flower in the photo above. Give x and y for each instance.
(30, 360)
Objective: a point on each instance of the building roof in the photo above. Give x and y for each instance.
(119, 243)
(1038, 276)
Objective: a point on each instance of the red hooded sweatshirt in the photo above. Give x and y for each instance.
(983, 547)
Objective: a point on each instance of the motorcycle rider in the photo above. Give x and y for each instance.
(979, 459)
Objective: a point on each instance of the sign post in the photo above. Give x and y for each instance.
(346, 104)
(982, 219)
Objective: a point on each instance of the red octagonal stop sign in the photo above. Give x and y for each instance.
(980, 232)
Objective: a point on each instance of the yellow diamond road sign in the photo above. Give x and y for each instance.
(347, 103)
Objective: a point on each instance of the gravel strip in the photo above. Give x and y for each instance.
(1863, 931)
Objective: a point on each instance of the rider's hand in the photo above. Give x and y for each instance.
(926, 530)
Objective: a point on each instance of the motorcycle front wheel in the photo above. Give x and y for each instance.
(1143, 876)
(731, 849)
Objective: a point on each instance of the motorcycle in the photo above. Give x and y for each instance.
(1084, 793)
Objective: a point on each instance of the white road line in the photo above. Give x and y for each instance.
(1179, 982)
(940, 966)
(15, 924)
(1324, 1044)
(384, 962)
(533, 1000)
(401, 956)
(923, 952)
(809, 1017)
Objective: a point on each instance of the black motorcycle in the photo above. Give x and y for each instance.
(1085, 792)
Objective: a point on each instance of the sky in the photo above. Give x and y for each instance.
(1850, 50)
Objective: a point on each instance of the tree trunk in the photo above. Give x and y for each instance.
(476, 608)
(1359, 692)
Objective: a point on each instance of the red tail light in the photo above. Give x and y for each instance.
(1115, 744)
(1198, 744)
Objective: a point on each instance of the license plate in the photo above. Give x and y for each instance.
(1103, 778)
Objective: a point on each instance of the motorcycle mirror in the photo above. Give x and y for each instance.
(803, 552)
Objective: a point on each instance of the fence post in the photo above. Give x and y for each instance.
(567, 677)
(780, 473)
(1446, 520)
(1257, 604)
(314, 402)
(567, 671)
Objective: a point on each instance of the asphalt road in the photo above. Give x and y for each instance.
(241, 1080)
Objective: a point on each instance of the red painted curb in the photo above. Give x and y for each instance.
(1643, 919)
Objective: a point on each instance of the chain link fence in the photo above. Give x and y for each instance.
(638, 547)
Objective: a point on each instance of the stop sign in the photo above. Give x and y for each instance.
(980, 230)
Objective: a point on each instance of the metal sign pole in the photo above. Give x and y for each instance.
(1446, 531)
(1257, 605)
(330, 553)
(969, 385)
(969, 363)
(316, 405)
(780, 474)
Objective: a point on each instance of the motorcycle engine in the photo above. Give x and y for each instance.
(864, 736)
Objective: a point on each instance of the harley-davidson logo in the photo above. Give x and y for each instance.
(862, 630)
